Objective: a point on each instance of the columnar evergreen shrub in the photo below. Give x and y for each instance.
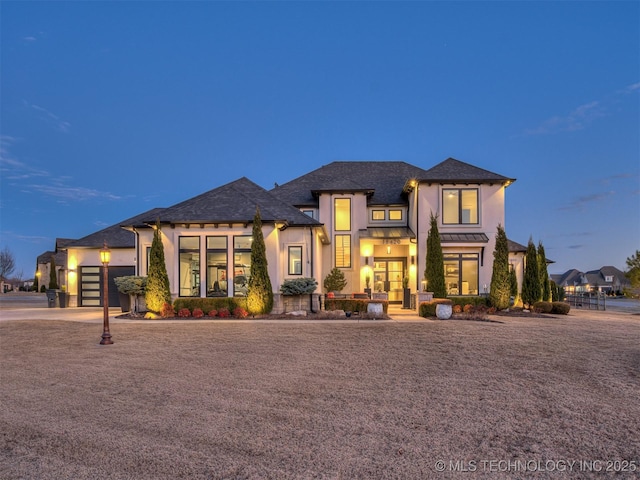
(434, 268)
(260, 292)
(531, 291)
(513, 284)
(545, 290)
(500, 286)
(157, 291)
(53, 276)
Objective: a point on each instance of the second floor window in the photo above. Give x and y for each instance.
(342, 214)
(459, 206)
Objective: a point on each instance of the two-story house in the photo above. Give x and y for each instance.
(368, 218)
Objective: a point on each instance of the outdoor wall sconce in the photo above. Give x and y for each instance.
(413, 259)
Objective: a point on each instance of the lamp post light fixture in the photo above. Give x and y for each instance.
(105, 257)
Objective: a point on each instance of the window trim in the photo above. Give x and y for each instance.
(384, 215)
(335, 216)
(399, 210)
(347, 257)
(460, 190)
(199, 272)
(290, 249)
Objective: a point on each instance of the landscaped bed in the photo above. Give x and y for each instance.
(319, 400)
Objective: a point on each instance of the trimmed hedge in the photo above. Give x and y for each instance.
(462, 301)
(209, 303)
(542, 307)
(353, 304)
(561, 308)
(428, 309)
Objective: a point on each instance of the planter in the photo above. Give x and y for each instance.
(375, 308)
(125, 301)
(52, 298)
(443, 312)
(406, 298)
(63, 299)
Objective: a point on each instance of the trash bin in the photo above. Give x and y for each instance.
(52, 296)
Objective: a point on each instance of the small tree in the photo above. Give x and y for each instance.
(434, 268)
(334, 281)
(260, 292)
(531, 291)
(633, 269)
(500, 287)
(53, 275)
(545, 289)
(157, 292)
(7, 262)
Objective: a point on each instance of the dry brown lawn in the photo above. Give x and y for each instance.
(320, 400)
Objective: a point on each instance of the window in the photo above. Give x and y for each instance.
(217, 267)
(460, 206)
(378, 215)
(308, 213)
(342, 214)
(242, 264)
(395, 214)
(189, 266)
(343, 251)
(461, 273)
(295, 260)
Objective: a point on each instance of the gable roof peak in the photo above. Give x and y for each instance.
(453, 170)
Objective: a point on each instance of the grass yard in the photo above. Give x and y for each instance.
(320, 400)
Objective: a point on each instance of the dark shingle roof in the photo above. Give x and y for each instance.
(115, 235)
(455, 171)
(384, 180)
(234, 202)
(60, 258)
(515, 247)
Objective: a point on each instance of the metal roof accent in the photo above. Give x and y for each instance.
(387, 232)
(463, 238)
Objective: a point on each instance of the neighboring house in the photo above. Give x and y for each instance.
(43, 264)
(608, 280)
(369, 219)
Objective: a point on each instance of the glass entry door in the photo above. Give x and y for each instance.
(387, 277)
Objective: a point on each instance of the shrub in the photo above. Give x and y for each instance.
(223, 312)
(298, 286)
(210, 303)
(352, 304)
(561, 308)
(470, 300)
(468, 308)
(131, 284)
(335, 281)
(167, 310)
(212, 313)
(542, 307)
(240, 312)
(184, 312)
(198, 313)
(428, 309)
(457, 309)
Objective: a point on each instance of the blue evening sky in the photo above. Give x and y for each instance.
(112, 108)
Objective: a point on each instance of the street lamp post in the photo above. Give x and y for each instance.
(105, 257)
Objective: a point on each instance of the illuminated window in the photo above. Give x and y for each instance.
(295, 260)
(378, 215)
(343, 251)
(459, 206)
(342, 212)
(242, 264)
(217, 267)
(461, 273)
(189, 266)
(395, 214)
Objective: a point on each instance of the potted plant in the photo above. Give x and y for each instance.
(335, 281)
(130, 287)
(367, 281)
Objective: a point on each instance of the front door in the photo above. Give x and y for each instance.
(387, 275)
